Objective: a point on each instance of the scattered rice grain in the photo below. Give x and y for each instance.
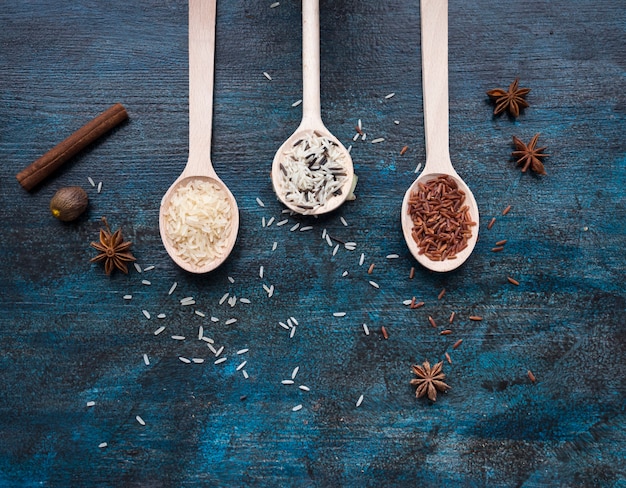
(491, 222)
(241, 365)
(457, 343)
(512, 281)
(296, 103)
(476, 318)
(197, 360)
(137, 267)
(270, 221)
(161, 316)
(441, 294)
(260, 202)
(219, 351)
(199, 313)
(245, 374)
(91, 403)
(184, 359)
(384, 332)
(343, 221)
(531, 376)
(146, 360)
(145, 282)
(159, 330)
(359, 401)
(336, 249)
(304, 388)
(366, 329)
(287, 382)
(172, 288)
(432, 321)
(448, 358)
(296, 408)
(362, 259)
(294, 373)
(140, 420)
(102, 445)
(506, 210)
(374, 284)
(294, 227)
(99, 186)
(391, 95)
(91, 182)
(377, 140)
(266, 74)
(282, 222)
(127, 297)
(178, 337)
(243, 351)
(219, 361)
(339, 314)
(392, 256)
(412, 273)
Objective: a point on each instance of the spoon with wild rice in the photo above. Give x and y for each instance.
(439, 212)
(199, 217)
(312, 172)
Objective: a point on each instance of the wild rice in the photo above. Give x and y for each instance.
(384, 332)
(441, 294)
(506, 210)
(359, 401)
(457, 343)
(512, 281)
(159, 330)
(531, 376)
(313, 171)
(491, 222)
(441, 219)
(140, 420)
(370, 270)
(475, 318)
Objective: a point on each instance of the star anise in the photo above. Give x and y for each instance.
(529, 156)
(429, 380)
(511, 100)
(113, 250)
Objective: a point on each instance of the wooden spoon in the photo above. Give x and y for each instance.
(434, 21)
(202, 14)
(311, 113)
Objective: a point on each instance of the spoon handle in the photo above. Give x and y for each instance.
(202, 14)
(311, 105)
(434, 16)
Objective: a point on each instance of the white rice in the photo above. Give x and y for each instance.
(296, 103)
(336, 249)
(197, 360)
(219, 351)
(173, 287)
(275, 4)
(359, 401)
(242, 351)
(391, 95)
(199, 313)
(295, 227)
(245, 374)
(208, 339)
(231, 279)
(261, 272)
(374, 284)
(242, 365)
(224, 297)
(339, 314)
(378, 140)
(266, 74)
(146, 360)
(392, 256)
(270, 221)
(159, 330)
(305, 228)
(91, 182)
(292, 333)
(220, 360)
(184, 360)
(366, 329)
(137, 267)
(417, 168)
(148, 268)
(287, 382)
(200, 333)
(260, 202)
(296, 408)
(99, 187)
(274, 246)
(304, 388)
(145, 282)
(211, 348)
(91, 403)
(294, 373)
(362, 259)
(230, 321)
(161, 316)
(214, 319)
(140, 420)
(284, 326)
(102, 445)
(293, 319)
(343, 221)
(344, 274)
(244, 300)
(128, 297)
(178, 337)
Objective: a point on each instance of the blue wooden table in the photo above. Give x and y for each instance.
(92, 395)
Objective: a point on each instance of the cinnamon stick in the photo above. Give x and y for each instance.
(43, 167)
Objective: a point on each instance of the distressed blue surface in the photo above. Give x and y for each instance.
(68, 337)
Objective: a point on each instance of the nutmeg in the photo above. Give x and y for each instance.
(69, 203)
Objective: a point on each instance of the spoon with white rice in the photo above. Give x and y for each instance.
(312, 172)
(199, 217)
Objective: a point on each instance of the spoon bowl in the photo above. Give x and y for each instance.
(202, 16)
(434, 23)
(312, 125)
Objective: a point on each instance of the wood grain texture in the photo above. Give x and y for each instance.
(68, 337)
